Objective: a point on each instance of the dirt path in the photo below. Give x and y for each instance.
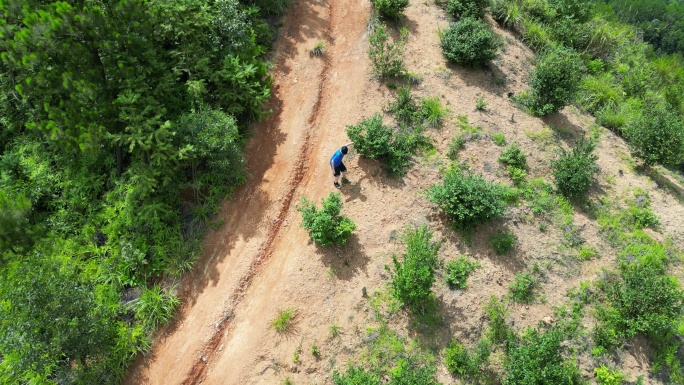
(281, 154)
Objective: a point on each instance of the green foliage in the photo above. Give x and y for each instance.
(17, 233)
(657, 136)
(480, 104)
(455, 146)
(499, 139)
(409, 372)
(390, 8)
(432, 111)
(385, 55)
(284, 321)
(154, 307)
(640, 300)
(537, 359)
(514, 156)
(393, 147)
(404, 108)
(458, 270)
(326, 226)
(523, 287)
(467, 8)
(607, 376)
(573, 171)
(468, 199)
(503, 242)
(499, 331)
(356, 376)
(412, 278)
(468, 365)
(518, 176)
(555, 80)
(661, 22)
(470, 42)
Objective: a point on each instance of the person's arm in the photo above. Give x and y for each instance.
(349, 144)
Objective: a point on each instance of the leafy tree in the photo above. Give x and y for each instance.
(413, 277)
(326, 226)
(469, 41)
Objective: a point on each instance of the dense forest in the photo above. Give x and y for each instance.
(121, 125)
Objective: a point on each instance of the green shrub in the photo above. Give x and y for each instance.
(523, 287)
(607, 376)
(638, 300)
(412, 278)
(496, 313)
(284, 320)
(390, 8)
(518, 176)
(555, 80)
(503, 242)
(409, 372)
(356, 376)
(386, 56)
(470, 42)
(514, 156)
(573, 171)
(458, 270)
(154, 307)
(392, 147)
(465, 364)
(537, 359)
(455, 146)
(326, 226)
(460, 9)
(432, 111)
(657, 136)
(468, 199)
(404, 107)
(499, 139)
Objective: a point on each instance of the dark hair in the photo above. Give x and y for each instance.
(344, 150)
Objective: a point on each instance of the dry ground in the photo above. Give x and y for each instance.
(261, 260)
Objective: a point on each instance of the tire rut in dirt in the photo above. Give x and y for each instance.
(199, 369)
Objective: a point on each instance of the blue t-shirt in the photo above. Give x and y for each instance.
(336, 159)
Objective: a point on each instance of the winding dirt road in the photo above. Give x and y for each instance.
(231, 296)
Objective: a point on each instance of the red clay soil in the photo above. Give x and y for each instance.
(262, 261)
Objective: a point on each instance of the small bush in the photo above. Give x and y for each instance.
(284, 320)
(458, 270)
(356, 376)
(390, 8)
(470, 42)
(518, 176)
(455, 146)
(394, 148)
(514, 156)
(404, 107)
(386, 56)
(468, 199)
(409, 372)
(607, 376)
(499, 139)
(537, 359)
(432, 111)
(465, 364)
(503, 242)
(555, 80)
(326, 226)
(480, 104)
(499, 331)
(573, 171)
(638, 300)
(318, 49)
(412, 278)
(523, 287)
(467, 8)
(657, 136)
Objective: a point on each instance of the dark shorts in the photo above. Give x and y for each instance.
(339, 169)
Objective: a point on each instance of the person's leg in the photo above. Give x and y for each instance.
(337, 177)
(343, 171)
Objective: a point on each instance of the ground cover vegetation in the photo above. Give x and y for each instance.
(588, 56)
(120, 131)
